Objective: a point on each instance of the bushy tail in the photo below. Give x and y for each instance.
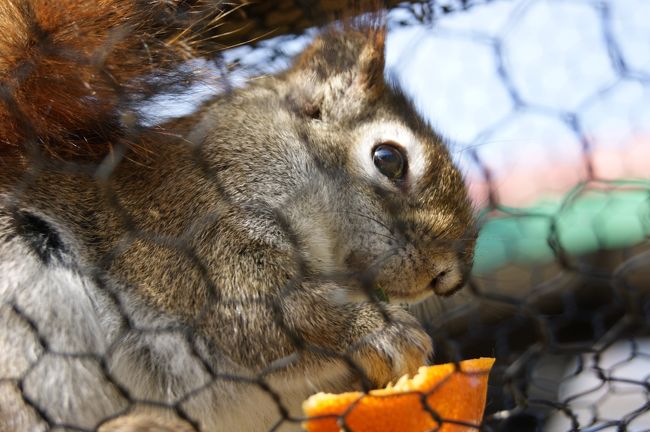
(71, 69)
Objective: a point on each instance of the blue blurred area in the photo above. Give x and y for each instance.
(523, 74)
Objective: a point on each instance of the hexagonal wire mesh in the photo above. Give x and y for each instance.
(545, 108)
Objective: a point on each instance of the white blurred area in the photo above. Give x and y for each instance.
(603, 389)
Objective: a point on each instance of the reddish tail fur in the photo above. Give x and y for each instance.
(71, 69)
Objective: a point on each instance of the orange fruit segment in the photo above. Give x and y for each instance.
(444, 398)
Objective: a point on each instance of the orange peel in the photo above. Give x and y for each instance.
(444, 398)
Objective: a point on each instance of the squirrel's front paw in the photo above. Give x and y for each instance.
(398, 347)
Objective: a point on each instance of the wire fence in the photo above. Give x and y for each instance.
(558, 293)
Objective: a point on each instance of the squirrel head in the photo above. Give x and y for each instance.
(365, 184)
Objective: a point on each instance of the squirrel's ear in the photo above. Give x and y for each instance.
(372, 63)
(352, 57)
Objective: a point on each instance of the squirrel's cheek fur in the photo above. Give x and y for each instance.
(192, 263)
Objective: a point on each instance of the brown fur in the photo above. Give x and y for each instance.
(70, 70)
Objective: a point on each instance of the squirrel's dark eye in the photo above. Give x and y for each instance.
(390, 161)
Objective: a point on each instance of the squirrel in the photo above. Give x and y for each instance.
(218, 268)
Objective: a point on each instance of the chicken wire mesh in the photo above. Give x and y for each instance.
(544, 104)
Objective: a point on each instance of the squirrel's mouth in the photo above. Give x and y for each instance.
(446, 283)
(408, 298)
(402, 298)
